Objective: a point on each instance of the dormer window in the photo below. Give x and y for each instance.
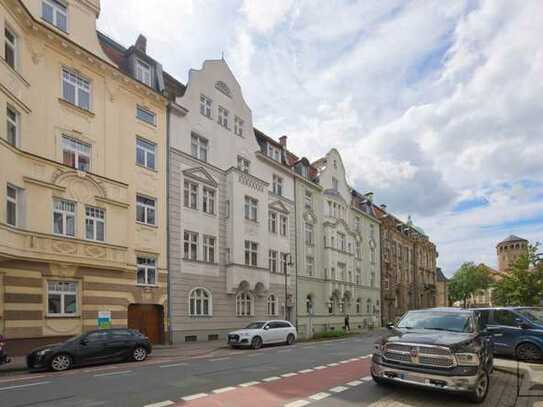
(205, 106)
(143, 72)
(223, 117)
(303, 171)
(55, 13)
(238, 126)
(274, 153)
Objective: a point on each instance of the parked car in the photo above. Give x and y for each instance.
(440, 348)
(103, 346)
(515, 331)
(261, 333)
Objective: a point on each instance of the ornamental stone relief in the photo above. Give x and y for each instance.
(251, 182)
(223, 88)
(64, 247)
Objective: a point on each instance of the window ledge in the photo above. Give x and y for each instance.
(200, 261)
(56, 28)
(55, 316)
(147, 225)
(147, 285)
(147, 168)
(147, 124)
(78, 109)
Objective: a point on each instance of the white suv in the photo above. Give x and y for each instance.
(260, 333)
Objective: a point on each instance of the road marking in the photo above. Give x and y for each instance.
(353, 360)
(365, 357)
(289, 374)
(217, 359)
(248, 384)
(194, 397)
(113, 373)
(309, 347)
(271, 379)
(160, 404)
(344, 361)
(338, 389)
(366, 379)
(20, 386)
(223, 390)
(174, 365)
(319, 396)
(319, 367)
(298, 403)
(354, 383)
(333, 364)
(306, 371)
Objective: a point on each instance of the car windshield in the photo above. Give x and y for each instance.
(533, 314)
(255, 325)
(439, 321)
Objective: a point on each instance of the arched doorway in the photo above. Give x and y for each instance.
(148, 319)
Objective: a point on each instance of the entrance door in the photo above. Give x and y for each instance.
(148, 319)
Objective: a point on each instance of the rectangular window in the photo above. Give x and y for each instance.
(284, 263)
(11, 205)
(358, 249)
(208, 200)
(308, 199)
(238, 126)
(76, 89)
(309, 263)
(146, 210)
(209, 249)
(95, 223)
(283, 227)
(341, 241)
(358, 277)
(190, 245)
(342, 267)
(274, 153)
(243, 164)
(223, 117)
(251, 253)
(309, 234)
(277, 185)
(145, 153)
(190, 195)
(75, 153)
(350, 276)
(12, 126)
(62, 298)
(198, 147)
(251, 209)
(64, 217)
(147, 271)
(10, 48)
(143, 72)
(146, 115)
(55, 13)
(205, 106)
(273, 261)
(272, 222)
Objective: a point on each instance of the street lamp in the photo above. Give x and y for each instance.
(288, 259)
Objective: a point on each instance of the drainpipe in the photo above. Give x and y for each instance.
(170, 327)
(296, 257)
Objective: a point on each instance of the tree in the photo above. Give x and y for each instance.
(467, 280)
(523, 285)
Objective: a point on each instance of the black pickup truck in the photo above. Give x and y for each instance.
(438, 348)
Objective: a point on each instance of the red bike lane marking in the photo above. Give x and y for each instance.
(279, 392)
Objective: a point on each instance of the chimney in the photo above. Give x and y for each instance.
(369, 197)
(383, 207)
(283, 141)
(141, 43)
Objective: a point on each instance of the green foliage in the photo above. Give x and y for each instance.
(467, 280)
(523, 285)
(330, 334)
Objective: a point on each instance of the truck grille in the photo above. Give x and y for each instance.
(419, 355)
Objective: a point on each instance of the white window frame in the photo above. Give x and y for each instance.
(205, 106)
(277, 185)
(308, 199)
(77, 148)
(144, 73)
(80, 83)
(63, 293)
(199, 147)
(146, 210)
(243, 164)
(147, 264)
(146, 116)
(274, 153)
(57, 7)
(209, 245)
(148, 149)
(244, 305)
(222, 117)
(238, 126)
(190, 245)
(272, 222)
(310, 266)
(66, 214)
(251, 253)
(13, 45)
(283, 225)
(190, 194)
(14, 124)
(341, 241)
(93, 217)
(200, 295)
(12, 201)
(273, 255)
(272, 303)
(208, 200)
(358, 276)
(251, 209)
(309, 238)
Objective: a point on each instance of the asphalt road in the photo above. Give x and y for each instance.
(332, 373)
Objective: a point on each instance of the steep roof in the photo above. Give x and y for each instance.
(440, 276)
(512, 238)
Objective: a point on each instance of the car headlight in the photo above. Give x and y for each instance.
(377, 349)
(42, 352)
(467, 359)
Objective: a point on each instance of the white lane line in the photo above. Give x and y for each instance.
(338, 389)
(174, 365)
(194, 396)
(248, 384)
(353, 360)
(309, 347)
(306, 371)
(365, 357)
(161, 404)
(333, 364)
(298, 403)
(113, 373)
(217, 359)
(271, 379)
(289, 374)
(20, 386)
(223, 390)
(366, 379)
(344, 361)
(354, 383)
(319, 367)
(319, 396)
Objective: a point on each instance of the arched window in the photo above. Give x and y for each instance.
(200, 302)
(244, 305)
(309, 304)
(272, 305)
(358, 305)
(368, 306)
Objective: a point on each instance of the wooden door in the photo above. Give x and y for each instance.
(148, 319)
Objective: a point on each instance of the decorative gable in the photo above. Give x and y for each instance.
(279, 207)
(200, 174)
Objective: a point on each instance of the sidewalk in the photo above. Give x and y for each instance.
(531, 383)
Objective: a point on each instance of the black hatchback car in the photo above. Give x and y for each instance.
(94, 347)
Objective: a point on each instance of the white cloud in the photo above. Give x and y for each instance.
(263, 16)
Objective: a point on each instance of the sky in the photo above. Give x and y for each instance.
(435, 106)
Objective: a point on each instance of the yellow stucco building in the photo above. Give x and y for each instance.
(82, 177)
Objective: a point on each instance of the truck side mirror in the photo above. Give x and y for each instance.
(390, 325)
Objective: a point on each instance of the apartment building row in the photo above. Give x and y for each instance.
(158, 205)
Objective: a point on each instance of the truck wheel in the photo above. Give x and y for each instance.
(478, 395)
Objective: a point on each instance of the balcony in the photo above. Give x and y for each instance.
(240, 277)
